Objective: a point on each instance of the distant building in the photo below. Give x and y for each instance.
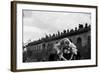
(80, 36)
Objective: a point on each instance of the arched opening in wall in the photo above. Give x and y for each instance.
(44, 50)
(79, 45)
(29, 53)
(89, 41)
(88, 47)
(79, 42)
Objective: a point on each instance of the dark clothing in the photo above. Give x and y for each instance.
(78, 56)
(75, 57)
(67, 56)
(53, 57)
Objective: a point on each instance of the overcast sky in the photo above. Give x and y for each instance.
(37, 24)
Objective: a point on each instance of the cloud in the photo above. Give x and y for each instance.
(39, 23)
(33, 33)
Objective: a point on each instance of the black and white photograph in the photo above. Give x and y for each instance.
(56, 36)
(53, 36)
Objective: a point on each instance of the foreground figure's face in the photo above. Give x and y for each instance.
(66, 47)
(67, 50)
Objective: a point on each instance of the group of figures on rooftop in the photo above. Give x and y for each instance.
(64, 34)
